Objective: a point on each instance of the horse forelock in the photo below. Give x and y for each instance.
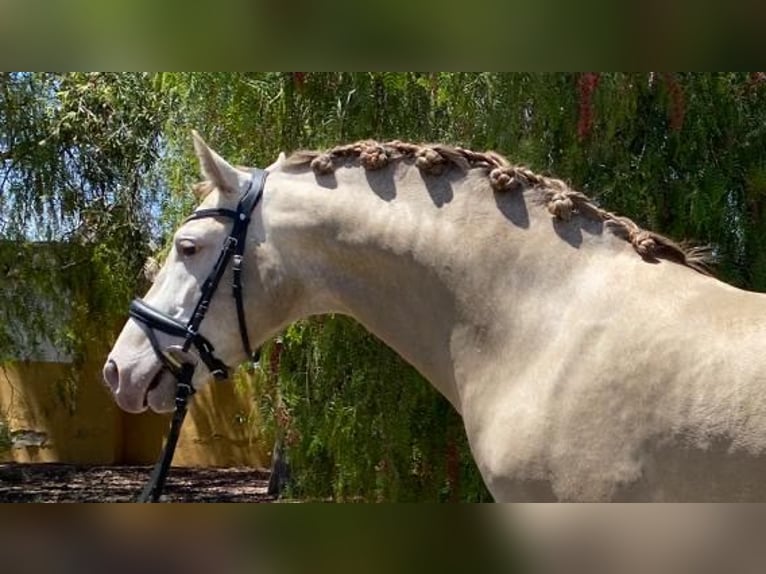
(560, 199)
(202, 189)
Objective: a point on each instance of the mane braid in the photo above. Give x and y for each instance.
(561, 201)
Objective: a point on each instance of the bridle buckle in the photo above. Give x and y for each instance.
(231, 243)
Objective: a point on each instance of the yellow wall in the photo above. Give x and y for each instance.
(76, 420)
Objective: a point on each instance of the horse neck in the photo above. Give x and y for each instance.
(425, 266)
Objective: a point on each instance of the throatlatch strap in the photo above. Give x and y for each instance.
(246, 207)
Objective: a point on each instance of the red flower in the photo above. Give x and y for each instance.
(586, 85)
(299, 80)
(276, 357)
(756, 80)
(453, 470)
(677, 101)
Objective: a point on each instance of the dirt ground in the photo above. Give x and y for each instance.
(72, 483)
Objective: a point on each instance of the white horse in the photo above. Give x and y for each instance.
(590, 360)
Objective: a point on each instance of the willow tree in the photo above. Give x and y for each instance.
(76, 155)
(681, 153)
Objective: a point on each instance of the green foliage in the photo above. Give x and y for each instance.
(359, 423)
(76, 154)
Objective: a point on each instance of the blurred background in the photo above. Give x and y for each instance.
(347, 539)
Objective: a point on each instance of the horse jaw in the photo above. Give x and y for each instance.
(161, 398)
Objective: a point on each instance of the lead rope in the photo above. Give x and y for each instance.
(153, 489)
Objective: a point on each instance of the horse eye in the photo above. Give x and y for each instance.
(187, 247)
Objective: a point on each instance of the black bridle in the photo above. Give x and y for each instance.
(177, 359)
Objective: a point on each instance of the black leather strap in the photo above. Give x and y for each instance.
(153, 489)
(246, 207)
(214, 212)
(152, 319)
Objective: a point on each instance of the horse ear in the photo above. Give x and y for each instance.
(280, 160)
(214, 168)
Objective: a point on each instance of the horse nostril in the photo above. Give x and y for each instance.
(111, 375)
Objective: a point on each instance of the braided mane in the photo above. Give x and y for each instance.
(562, 201)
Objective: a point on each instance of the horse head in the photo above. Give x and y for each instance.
(189, 315)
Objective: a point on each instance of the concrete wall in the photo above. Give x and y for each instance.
(59, 415)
